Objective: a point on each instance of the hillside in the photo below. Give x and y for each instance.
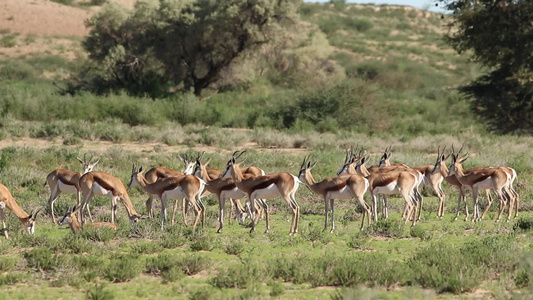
(392, 56)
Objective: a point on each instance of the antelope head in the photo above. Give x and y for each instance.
(88, 165)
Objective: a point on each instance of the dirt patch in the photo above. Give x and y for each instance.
(137, 147)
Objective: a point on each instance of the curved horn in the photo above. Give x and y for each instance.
(240, 155)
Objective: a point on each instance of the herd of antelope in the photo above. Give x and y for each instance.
(236, 182)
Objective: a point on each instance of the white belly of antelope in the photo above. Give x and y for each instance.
(98, 190)
(66, 188)
(267, 193)
(176, 193)
(343, 193)
(485, 184)
(388, 189)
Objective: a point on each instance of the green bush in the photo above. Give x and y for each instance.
(234, 248)
(387, 228)
(122, 269)
(192, 264)
(43, 259)
(204, 293)
(10, 279)
(276, 289)
(99, 292)
(419, 232)
(146, 247)
(166, 265)
(7, 263)
(523, 223)
(98, 234)
(204, 243)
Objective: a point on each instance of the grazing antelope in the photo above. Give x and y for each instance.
(484, 178)
(71, 219)
(266, 187)
(7, 201)
(157, 173)
(102, 184)
(185, 187)
(340, 187)
(65, 181)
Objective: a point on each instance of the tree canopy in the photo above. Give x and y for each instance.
(498, 34)
(181, 44)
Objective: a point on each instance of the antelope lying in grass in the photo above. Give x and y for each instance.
(71, 219)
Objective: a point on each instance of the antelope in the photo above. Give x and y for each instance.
(484, 178)
(185, 187)
(7, 201)
(385, 159)
(102, 184)
(266, 187)
(71, 219)
(356, 165)
(65, 181)
(157, 173)
(340, 187)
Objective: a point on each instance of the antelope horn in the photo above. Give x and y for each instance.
(240, 155)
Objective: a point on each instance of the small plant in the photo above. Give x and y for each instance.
(99, 292)
(98, 234)
(42, 259)
(192, 264)
(204, 243)
(7, 264)
(201, 294)
(358, 241)
(234, 248)
(146, 247)
(387, 228)
(166, 265)
(10, 279)
(276, 289)
(523, 223)
(419, 232)
(122, 269)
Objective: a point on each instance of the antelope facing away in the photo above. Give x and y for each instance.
(340, 187)
(269, 186)
(66, 181)
(186, 187)
(71, 219)
(102, 184)
(7, 201)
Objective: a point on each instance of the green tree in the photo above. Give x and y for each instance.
(498, 34)
(181, 44)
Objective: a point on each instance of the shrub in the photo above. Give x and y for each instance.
(10, 279)
(201, 294)
(7, 263)
(166, 265)
(122, 269)
(445, 268)
(234, 248)
(276, 289)
(192, 264)
(173, 237)
(204, 243)
(523, 223)
(98, 292)
(421, 233)
(146, 247)
(77, 244)
(387, 228)
(358, 241)
(98, 234)
(43, 259)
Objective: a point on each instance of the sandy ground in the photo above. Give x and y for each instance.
(44, 17)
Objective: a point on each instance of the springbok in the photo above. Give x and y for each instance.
(102, 184)
(7, 201)
(186, 187)
(269, 186)
(71, 219)
(340, 187)
(157, 173)
(484, 178)
(66, 181)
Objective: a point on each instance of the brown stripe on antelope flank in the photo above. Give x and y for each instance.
(67, 181)
(482, 176)
(383, 180)
(337, 187)
(265, 184)
(228, 187)
(103, 183)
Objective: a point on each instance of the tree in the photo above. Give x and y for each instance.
(498, 34)
(183, 44)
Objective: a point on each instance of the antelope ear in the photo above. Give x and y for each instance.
(141, 169)
(73, 209)
(144, 217)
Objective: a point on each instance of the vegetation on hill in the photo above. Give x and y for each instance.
(366, 68)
